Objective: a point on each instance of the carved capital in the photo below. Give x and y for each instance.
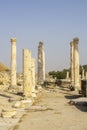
(76, 40)
(13, 40)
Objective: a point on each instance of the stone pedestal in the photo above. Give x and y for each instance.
(13, 62)
(27, 83)
(41, 63)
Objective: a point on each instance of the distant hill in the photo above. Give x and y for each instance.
(3, 67)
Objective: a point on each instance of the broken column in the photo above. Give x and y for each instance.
(27, 83)
(41, 63)
(13, 62)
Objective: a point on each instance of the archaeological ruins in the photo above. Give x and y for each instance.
(13, 62)
(23, 90)
(41, 63)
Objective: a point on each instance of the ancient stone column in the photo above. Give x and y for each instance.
(83, 73)
(27, 83)
(33, 74)
(41, 63)
(13, 62)
(76, 63)
(67, 75)
(86, 75)
(72, 63)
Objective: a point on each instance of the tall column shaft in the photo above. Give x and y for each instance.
(41, 63)
(67, 75)
(83, 73)
(27, 83)
(72, 63)
(76, 56)
(86, 75)
(13, 62)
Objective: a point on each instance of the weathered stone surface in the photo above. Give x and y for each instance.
(74, 65)
(4, 78)
(27, 82)
(19, 104)
(33, 74)
(8, 113)
(13, 62)
(20, 79)
(83, 73)
(86, 75)
(38, 108)
(23, 103)
(41, 63)
(67, 75)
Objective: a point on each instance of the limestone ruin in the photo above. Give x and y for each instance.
(13, 62)
(27, 83)
(74, 65)
(28, 90)
(33, 74)
(83, 73)
(41, 63)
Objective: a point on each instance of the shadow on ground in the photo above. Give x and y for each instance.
(4, 95)
(82, 106)
(74, 100)
(73, 96)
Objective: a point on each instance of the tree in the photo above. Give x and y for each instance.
(59, 74)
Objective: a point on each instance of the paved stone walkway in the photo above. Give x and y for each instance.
(59, 116)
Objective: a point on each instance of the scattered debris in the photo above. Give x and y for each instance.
(8, 113)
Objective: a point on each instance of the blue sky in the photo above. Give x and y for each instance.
(54, 22)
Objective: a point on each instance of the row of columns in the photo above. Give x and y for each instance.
(28, 68)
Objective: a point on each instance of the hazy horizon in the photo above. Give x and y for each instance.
(54, 22)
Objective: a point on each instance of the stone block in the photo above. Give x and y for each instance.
(8, 113)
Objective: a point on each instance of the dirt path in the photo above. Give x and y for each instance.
(60, 116)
